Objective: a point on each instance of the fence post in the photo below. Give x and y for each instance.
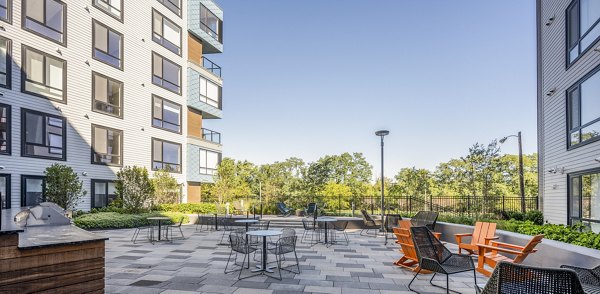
(339, 204)
(371, 204)
(430, 202)
(410, 204)
(469, 206)
(503, 199)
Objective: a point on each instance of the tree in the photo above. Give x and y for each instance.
(134, 188)
(166, 188)
(63, 186)
(336, 195)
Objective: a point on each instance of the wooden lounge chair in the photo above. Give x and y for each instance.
(489, 254)
(483, 233)
(409, 259)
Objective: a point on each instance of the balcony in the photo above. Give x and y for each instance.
(205, 21)
(211, 66)
(212, 136)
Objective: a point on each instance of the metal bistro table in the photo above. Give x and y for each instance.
(246, 222)
(159, 219)
(264, 234)
(326, 221)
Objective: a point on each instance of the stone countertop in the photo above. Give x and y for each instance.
(8, 226)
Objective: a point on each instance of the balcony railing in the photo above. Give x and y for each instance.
(211, 66)
(212, 136)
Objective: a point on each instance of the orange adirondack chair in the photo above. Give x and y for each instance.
(483, 233)
(409, 259)
(489, 254)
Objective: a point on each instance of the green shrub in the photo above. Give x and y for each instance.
(201, 208)
(115, 220)
(535, 216)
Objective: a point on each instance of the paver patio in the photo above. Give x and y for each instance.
(196, 264)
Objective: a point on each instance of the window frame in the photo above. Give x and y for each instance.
(162, 73)
(577, 87)
(121, 47)
(180, 46)
(24, 187)
(8, 129)
(121, 102)
(24, 143)
(93, 191)
(119, 18)
(24, 79)
(178, 12)
(570, 177)
(9, 6)
(162, 156)
(8, 191)
(8, 63)
(94, 126)
(64, 33)
(204, 25)
(580, 37)
(204, 98)
(163, 115)
(220, 158)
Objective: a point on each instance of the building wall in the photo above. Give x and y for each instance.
(552, 110)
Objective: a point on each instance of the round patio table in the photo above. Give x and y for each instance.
(158, 219)
(246, 222)
(325, 221)
(264, 234)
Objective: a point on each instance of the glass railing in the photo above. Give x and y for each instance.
(211, 66)
(212, 136)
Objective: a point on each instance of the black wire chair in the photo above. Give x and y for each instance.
(589, 277)
(435, 257)
(286, 244)
(226, 228)
(340, 227)
(238, 245)
(391, 221)
(264, 224)
(511, 278)
(369, 224)
(425, 218)
(149, 233)
(204, 221)
(170, 228)
(309, 229)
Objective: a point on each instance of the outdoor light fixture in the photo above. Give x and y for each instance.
(382, 133)
(597, 159)
(58, 51)
(521, 177)
(551, 92)
(84, 174)
(1, 167)
(550, 20)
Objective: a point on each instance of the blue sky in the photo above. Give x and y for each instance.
(314, 77)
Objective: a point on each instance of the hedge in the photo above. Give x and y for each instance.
(201, 208)
(115, 220)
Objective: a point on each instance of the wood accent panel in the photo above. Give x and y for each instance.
(194, 50)
(9, 240)
(194, 192)
(194, 123)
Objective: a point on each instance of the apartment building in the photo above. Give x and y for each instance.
(102, 84)
(569, 110)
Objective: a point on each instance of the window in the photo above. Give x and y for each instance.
(173, 5)
(44, 75)
(108, 45)
(46, 18)
(209, 161)
(32, 190)
(582, 27)
(166, 32)
(103, 193)
(211, 24)
(5, 62)
(166, 156)
(166, 73)
(108, 95)
(44, 135)
(5, 129)
(210, 93)
(4, 191)
(6, 10)
(584, 199)
(113, 8)
(583, 110)
(166, 114)
(107, 146)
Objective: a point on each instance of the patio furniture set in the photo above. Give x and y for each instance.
(160, 230)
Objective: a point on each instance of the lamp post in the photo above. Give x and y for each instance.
(382, 133)
(521, 177)
(260, 196)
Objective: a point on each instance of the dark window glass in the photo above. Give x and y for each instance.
(113, 8)
(5, 129)
(210, 23)
(108, 95)
(166, 32)
(32, 190)
(166, 156)
(44, 75)
(582, 26)
(209, 160)
(173, 5)
(5, 10)
(4, 191)
(166, 114)
(584, 198)
(45, 135)
(46, 17)
(584, 109)
(103, 193)
(166, 73)
(5, 62)
(107, 45)
(106, 145)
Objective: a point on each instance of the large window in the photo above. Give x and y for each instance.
(166, 73)
(6, 10)
(582, 27)
(584, 199)
(173, 5)
(103, 193)
(211, 24)
(166, 156)
(32, 190)
(166, 114)
(5, 129)
(210, 93)
(4, 191)
(209, 161)
(44, 75)
(113, 8)
(107, 146)
(108, 45)
(583, 110)
(43, 135)
(108, 95)
(5, 62)
(46, 18)
(166, 32)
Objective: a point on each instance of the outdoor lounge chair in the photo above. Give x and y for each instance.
(510, 278)
(311, 210)
(482, 234)
(283, 209)
(369, 223)
(425, 218)
(489, 254)
(391, 221)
